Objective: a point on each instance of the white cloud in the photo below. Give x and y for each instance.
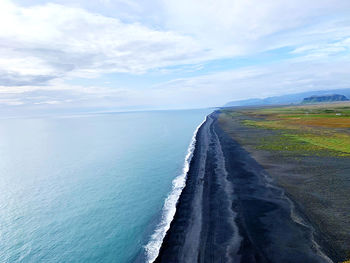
(236, 27)
(53, 40)
(213, 89)
(43, 42)
(42, 45)
(324, 50)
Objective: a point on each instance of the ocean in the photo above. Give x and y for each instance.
(91, 187)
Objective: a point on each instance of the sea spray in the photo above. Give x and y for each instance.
(169, 208)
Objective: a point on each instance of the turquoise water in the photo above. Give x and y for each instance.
(88, 188)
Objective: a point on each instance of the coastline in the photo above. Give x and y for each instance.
(229, 212)
(152, 248)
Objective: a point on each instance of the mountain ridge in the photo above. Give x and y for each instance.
(294, 98)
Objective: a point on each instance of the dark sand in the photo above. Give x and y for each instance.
(229, 212)
(317, 182)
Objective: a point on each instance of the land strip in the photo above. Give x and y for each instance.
(306, 151)
(230, 212)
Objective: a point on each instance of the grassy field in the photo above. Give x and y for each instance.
(306, 151)
(312, 129)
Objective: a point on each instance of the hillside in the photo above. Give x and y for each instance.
(325, 98)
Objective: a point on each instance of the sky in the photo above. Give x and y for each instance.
(168, 54)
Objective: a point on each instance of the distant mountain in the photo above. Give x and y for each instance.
(286, 99)
(325, 98)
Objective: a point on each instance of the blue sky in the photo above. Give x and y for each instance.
(126, 54)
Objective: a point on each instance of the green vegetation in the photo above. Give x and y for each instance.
(317, 129)
(305, 149)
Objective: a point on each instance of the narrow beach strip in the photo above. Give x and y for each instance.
(169, 208)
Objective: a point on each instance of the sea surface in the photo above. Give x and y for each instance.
(91, 188)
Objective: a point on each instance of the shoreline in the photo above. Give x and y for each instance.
(153, 246)
(228, 212)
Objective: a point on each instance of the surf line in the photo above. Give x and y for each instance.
(169, 208)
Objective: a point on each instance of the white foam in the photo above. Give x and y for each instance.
(169, 208)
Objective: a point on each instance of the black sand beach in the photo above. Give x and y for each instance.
(229, 212)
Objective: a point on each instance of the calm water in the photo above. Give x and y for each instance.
(88, 188)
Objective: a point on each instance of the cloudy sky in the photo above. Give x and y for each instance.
(160, 54)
